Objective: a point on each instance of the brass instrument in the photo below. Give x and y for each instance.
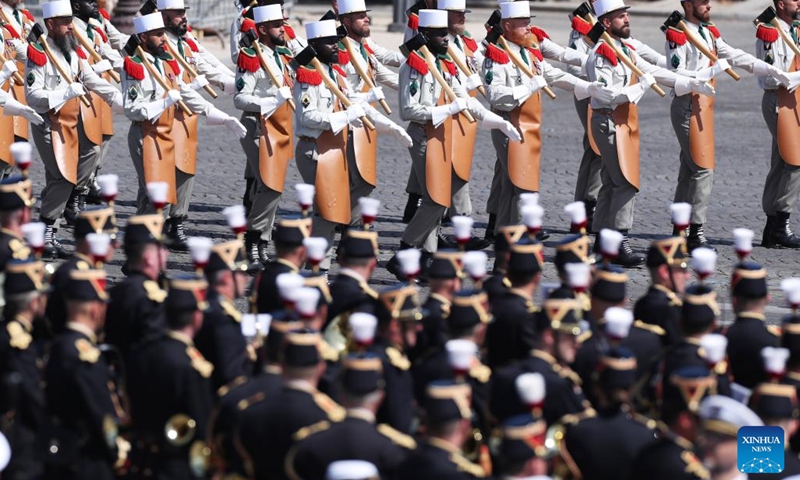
(180, 430)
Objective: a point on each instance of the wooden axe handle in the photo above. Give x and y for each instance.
(93, 53)
(521, 65)
(629, 63)
(273, 78)
(364, 76)
(451, 95)
(700, 45)
(463, 67)
(333, 87)
(785, 37)
(61, 70)
(154, 73)
(185, 65)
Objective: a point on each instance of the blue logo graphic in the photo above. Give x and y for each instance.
(761, 450)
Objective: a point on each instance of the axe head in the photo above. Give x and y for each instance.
(494, 20)
(596, 32)
(583, 10)
(674, 19)
(36, 32)
(304, 57)
(413, 44)
(149, 7)
(766, 16)
(416, 8)
(494, 34)
(130, 46)
(247, 39)
(329, 15)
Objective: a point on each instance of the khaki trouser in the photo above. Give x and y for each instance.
(461, 201)
(587, 188)
(265, 200)
(782, 185)
(694, 182)
(57, 188)
(617, 196)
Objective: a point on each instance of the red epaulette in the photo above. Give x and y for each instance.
(413, 22)
(36, 54)
(418, 63)
(580, 25)
(28, 14)
(714, 30)
(496, 54)
(608, 52)
(133, 68)
(368, 48)
(767, 33)
(540, 34)
(676, 36)
(81, 53)
(192, 44)
(247, 25)
(308, 76)
(536, 53)
(344, 55)
(173, 64)
(13, 33)
(248, 60)
(339, 70)
(451, 67)
(102, 34)
(630, 46)
(470, 43)
(289, 31)
(104, 13)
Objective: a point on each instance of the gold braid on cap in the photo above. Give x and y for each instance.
(459, 393)
(23, 189)
(197, 286)
(228, 251)
(370, 235)
(96, 278)
(98, 218)
(558, 308)
(533, 435)
(694, 389)
(612, 277)
(394, 299)
(34, 270)
(619, 364)
(455, 258)
(298, 338)
(363, 364)
(513, 233)
(477, 303)
(579, 246)
(532, 248)
(154, 223)
(709, 299)
(668, 247)
(302, 224)
(320, 283)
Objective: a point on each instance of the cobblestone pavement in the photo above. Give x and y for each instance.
(742, 155)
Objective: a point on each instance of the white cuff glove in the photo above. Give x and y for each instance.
(269, 105)
(384, 125)
(116, 104)
(457, 106)
(473, 82)
(762, 69)
(57, 98)
(14, 108)
(602, 93)
(198, 82)
(701, 87)
(683, 85)
(154, 109)
(216, 116)
(720, 66)
(791, 80)
(102, 66)
(522, 92)
(229, 85)
(338, 121)
(440, 113)
(634, 93)
(284, 94)
(375, 95)
(74, 90)
(493, 121)
(648, 80)
(354, 114)
(9, 68)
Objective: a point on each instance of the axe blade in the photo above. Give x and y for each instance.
(494, 34)
(583, 10)
(131, 44)
(413, 44)
(247, 39)
(329, 15)
(674, 19)
(766, 16)
(304, 57)
(494, 20)
(36, 32)
(149, 7)
(416, 8)
(596, 32)
(341, 31)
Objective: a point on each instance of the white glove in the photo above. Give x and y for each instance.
(354, 114)
(401, 135)
(701, 87)
(457, 106)
(154, 109)
(229, 85)
(102, 66)
(720, 66)
(216, 116)
(116, 104)
(375, 95)
(14, 108)
(522, 92)
(74, 90)
(648, 80)
(235, 126)
(473, 82)
(492, 121)
(198, 82)
(601, 92)
(634, 93)
(284, 94)
(9, 68)
(173, 97)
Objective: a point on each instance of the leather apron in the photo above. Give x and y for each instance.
(438, 158)
(184, 131)
(626, 125)
(64, 138)
(789, 121)
(701, 129)
(92, 116)
(333, 178)
(524, 158)
(463, 135)
(158, 149)
(275, 145)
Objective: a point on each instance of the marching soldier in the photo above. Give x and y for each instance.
(781, 185)
(12, 110)
(434, 119)
(447, 420)
(83, 412)
(673, 456)
(25, 292)
(444, 280)
(720, 420)
(220, 339)
(93, 220)
(497, 284)
(136, 306)
(749, 333)
(116, 39)
(291, 255)
(390, 58)
(70, 155)
(666, 260)
(16, 200)
(152, 138)
(350, 290)
(693, 115)
(613, 127)
(322, 130)
(522, 452)
(268, 119)
(776, 404)
(624, 433)
(356, 437)
(270, 427)
(169, 384)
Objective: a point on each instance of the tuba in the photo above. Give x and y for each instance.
(180, 430)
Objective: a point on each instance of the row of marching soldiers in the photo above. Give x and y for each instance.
(167, 379)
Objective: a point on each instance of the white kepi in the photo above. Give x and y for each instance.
(515, 10)
(148, 23)
(171, 5)
(432, 18)
(453, 5)
(267, 13)
(59, 8)
(321, 29)
(601, 7)
(352, 6)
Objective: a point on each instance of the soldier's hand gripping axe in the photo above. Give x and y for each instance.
(675, 20)
(134, 48)
(249, 39)
(308, 56)
(37, 32)
(770, 17)
(495, 35)
(418, 43)
(584, 11)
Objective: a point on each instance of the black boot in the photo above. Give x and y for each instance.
(73, 208)
(627, 257)
(697, 238)
(176, 235)
(94, 197)
(263, 251)
(783, 232)
(52, 246)
(591, 207)
(393, 265)
(768, 239)
(489, 235)
(444, 242)
(543, 235)
(251, 239)
(411, 207)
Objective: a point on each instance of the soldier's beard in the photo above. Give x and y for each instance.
(180, 29)
(521, 39)
(66, 43)
(279, 40)
(622, 32)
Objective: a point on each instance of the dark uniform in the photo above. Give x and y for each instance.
(790, 339)
(167, 377)
(15, 194)
(661, 307)
(12, 246)
(671, 457)
(288, 234)
(775, 402)
(350, 290)
(445, 266)
(22, 404)
(80, 433)
(497, 284)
